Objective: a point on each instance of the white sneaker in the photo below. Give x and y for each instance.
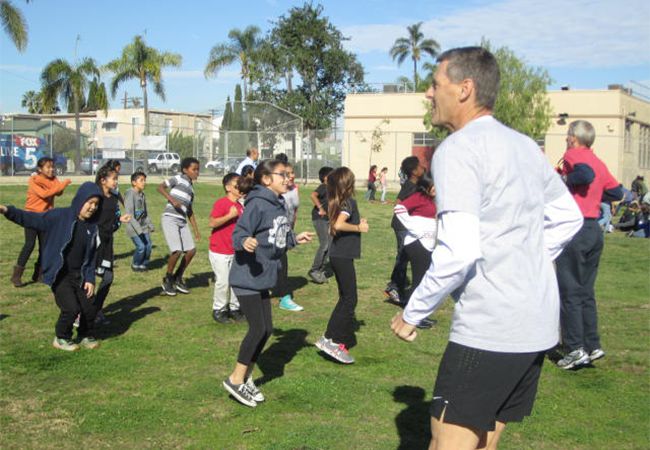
(254, 390)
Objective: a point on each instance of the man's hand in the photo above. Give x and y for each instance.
(250, 244)
(402, 329)
(89, 288)
(304, 237)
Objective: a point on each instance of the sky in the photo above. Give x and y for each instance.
(585, 44)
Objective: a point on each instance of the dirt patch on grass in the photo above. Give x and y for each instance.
(29, 422)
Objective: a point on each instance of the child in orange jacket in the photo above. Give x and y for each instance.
(43, 186)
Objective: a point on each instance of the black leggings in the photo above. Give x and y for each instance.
(420, 259)
(341, 326)
(71, 299)
(30, 241)
(103, 289)
(257, 310)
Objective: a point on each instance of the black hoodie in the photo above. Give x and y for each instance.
(59, 223)
(265, 219)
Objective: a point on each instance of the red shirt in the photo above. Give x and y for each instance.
(221, 237)
(420, 204)
(588, 196)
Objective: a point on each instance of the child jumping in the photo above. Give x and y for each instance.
(346, 227)
(223, 218)
(174, 224)
(321, 225)
(68, 261)
(42, 187)
(262, 234)
(140, 227)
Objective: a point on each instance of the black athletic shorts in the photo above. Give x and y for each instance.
(475, 387)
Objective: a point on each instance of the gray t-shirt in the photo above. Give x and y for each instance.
(291, 203)
(509, 302)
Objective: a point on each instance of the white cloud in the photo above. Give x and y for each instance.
(552, 33)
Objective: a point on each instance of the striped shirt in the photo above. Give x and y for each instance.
(180, 189)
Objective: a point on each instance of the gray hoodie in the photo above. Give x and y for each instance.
(136, 205)
(265, 219)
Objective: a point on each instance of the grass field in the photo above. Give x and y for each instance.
(156, 380)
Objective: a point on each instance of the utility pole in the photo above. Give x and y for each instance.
(125, 94)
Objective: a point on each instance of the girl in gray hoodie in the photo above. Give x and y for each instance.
(262, 235)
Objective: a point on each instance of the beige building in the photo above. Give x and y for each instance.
(383, 129)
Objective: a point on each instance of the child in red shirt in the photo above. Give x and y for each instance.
(223, 218)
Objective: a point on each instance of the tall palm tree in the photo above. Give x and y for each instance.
(414, 46)
(69, 83)
(14, 24)
(145, 64)
(240, 48)
(33, 101)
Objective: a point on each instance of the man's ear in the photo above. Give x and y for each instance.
(466, 89)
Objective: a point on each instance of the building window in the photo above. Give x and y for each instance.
(109, 126)
(644, 146)
(135, 120)
(424, 139)
(627, 139)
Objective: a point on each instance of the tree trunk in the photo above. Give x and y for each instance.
(77, 126)
(145, 102)
(415, 75)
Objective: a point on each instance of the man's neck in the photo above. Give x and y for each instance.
(465, 117)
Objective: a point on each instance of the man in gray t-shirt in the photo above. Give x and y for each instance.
(503, 216)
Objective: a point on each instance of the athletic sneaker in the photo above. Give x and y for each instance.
(254, 390)
(236, 315)
(65, 344)
(575, 358)
(180, 286)
(220, 316)
(168, 286)
(288, 304)
(240, 392)
(317, 277)
(337, 351)
(392, 295)
(89, 342)
(596, 354)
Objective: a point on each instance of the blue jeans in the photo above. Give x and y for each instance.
(143, 248)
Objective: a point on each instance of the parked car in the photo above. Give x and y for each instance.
(23, 153)
(161, 162)
(128, 166)
(89, 165)
(219, 165)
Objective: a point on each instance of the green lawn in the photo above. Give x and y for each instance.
(156, 380)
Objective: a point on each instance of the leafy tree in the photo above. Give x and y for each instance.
(97, 98)
(69, 83)
(242, 44)
(414, 46)
(312, 48)
(227, 115)
(14, 24)
(184, 145)
(145, 64)
(33, 101)
(238, 139)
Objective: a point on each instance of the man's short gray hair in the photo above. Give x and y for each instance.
(478, 65)
(583, 131)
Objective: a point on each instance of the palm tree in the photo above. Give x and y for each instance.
(14, 24)
(241, 46)
(144, 64)
(413, 45)
(33, 101)
(69, 83)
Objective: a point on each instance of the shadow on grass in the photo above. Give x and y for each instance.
(3, 316)
(123, 313)
(413, 422)
(199, 280)
(280, 353)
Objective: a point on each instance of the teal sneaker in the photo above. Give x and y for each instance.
(288, 304)
(65, 344)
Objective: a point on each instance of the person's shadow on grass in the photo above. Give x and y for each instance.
(272, 361)
(413, 422)
(122, 313)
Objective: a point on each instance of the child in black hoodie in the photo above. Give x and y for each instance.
(68, 261)
(262, 235)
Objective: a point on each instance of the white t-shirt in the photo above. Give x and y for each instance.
(508, 301)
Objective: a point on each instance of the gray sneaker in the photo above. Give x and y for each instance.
(65, 345)
(240, 392)
(90, 343)
(254, 390)
(317, 277)
(575, 358)
(596, 354)
(337, 351)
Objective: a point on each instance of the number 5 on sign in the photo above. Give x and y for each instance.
(30, 158)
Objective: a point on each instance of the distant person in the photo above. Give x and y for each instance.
(68, 262)
(42, 187)
(346, 226)
(503, 217)
(140, 227)
(116, 165)
(383, 183)
(262, 234)
(372, 187)
(247, 171)
(639, 187)
(321, 225)
(589, 181)
(174, 223)
(224, 215)
(252, 155)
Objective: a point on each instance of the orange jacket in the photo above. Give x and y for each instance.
(41, 191)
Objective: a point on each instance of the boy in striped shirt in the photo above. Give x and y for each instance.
(179, 192)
